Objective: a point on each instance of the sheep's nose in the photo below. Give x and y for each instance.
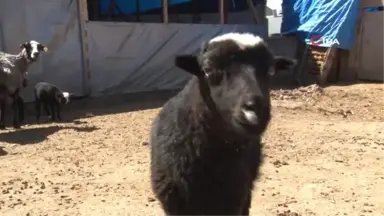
(251, 109)
(252, 103)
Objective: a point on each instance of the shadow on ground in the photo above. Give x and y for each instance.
(114, 104)
(105, 105)
(27, 136)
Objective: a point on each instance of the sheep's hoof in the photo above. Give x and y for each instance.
(17, 126)
(2, 126)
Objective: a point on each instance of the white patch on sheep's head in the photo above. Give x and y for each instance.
(243, 40)
(66, 96)
(6, 70)
(33, 49)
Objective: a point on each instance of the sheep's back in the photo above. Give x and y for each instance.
(10, 75)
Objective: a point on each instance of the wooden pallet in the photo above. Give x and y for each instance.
(320, 61)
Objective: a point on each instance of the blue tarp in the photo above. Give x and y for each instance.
(326, 23)
(181, 6)
(129, 6)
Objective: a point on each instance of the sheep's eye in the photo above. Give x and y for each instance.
(215, 77)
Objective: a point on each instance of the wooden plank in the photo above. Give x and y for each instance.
(330, 56)
(196, 18)
(83, 17)
(223, 10)
(138, 11)
(165, 11)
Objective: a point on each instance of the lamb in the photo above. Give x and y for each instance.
(13, 72)
(206, 141)
(51, 98)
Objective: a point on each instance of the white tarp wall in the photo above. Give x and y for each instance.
(134, 57)
(53, 23)
(123, 57)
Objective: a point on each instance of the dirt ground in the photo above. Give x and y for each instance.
(323, 156)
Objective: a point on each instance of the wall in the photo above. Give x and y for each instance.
(123, 57)
(134, 57)
(365, 61)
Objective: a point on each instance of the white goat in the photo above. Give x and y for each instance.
(13, 72)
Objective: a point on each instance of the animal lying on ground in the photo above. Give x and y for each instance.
(13, 70)
(51, 98)
(206, 141)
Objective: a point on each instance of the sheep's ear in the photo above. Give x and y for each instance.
(43, 48)
(188, 63)
(23, 45)
(284, 63)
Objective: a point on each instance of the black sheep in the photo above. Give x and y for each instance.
(51, 98)
(205, 142)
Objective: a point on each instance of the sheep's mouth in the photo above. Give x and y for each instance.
(34, 59)
(251, 122)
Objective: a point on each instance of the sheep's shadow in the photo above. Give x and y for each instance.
(37, 135)
(2, 151)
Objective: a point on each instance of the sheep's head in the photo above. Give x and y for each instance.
(236, 68)
(32, 50)
(64, 97)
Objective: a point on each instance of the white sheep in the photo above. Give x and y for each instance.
(13, 72)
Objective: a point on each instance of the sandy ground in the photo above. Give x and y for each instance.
(323, 156)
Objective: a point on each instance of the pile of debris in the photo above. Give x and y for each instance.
(301, 93)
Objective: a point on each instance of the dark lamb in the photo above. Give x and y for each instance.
(206, 141)
(51, 98)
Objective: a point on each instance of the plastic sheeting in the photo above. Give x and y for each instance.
(123, 57)
(54, 24)
(327, 23)
(129, 7)
(133, 57)
(181, 6)
(1, 38)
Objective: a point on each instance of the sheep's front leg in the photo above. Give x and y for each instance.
(46, 108)
(53, 113)
(2, 107)
(247, 204)
(37, 109)
(16, 107)
(58, 110)
(21, 109)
